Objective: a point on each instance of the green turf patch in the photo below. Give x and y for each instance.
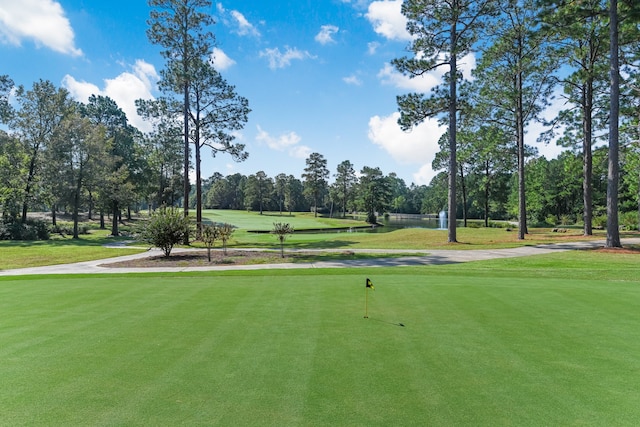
(22, 254)
(293, 348)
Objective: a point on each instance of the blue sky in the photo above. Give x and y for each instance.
(316, 73)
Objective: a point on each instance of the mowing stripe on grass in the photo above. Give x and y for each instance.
(293, 348)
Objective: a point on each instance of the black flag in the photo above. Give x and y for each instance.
(370, 285)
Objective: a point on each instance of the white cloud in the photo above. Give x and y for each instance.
(284, 142)
(418, 146)
(278, 59)
(424, 175)
(326, 33)
(390, 76)
(387, 19)
(372, 47)
(42, 21)
(467, 64)
(422, 84)
(352, 80)
(300, 152)
(220, 59)
(238, 21)
(80, 91)
(279, 143)
(124, 89)
(245, 28)
(552, 149)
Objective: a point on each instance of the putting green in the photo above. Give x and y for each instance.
(294, 348)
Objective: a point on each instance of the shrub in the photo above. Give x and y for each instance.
(600, 222)
(13, 229)
(166, 228)
(67, 229)
(210, 234)
(629, 220)
(566, 220)
(281, 230)
(225, 230)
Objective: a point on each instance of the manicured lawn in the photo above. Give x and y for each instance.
(485, 343)
(249, 220)
(20, 254)
(60, 250)
(411, 238)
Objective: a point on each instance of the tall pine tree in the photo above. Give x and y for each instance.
(444, 31)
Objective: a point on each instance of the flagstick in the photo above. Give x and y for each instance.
(366, 302)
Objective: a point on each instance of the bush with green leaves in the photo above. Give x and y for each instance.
(65, 229)
(600, 222)
(225, 230)
(282, 230)
(166, 228)
(550, 221)
(629, 220)
(210, 233)
(12, 229)
(567, 220)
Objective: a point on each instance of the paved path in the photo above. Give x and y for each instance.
(430, 257)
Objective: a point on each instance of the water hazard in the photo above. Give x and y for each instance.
(392, 222)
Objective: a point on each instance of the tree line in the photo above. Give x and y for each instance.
(370, 191)
(527, 51)
(87, 157)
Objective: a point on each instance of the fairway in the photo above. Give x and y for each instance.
(294, 348)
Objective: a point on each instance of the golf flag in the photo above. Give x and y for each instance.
(369, 284)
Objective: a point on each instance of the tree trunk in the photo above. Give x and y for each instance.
(613, 232)
(315, 202)
(187, 186)
(54, 221)
(344, 199)
(486, 195)
(453, 68)
(522, 204)
(27, 190)
(114, 220)
(90, 216)
(587, 159)
(198, 187)
(464, 196)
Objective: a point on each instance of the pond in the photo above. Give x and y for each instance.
(391, 223)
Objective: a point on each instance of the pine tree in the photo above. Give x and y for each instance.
(444, 31)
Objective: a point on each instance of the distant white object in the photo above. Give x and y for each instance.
(443, 220)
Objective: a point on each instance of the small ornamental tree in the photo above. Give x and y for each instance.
(225, 230)
(209, 235)
(167, 227)
(281, 230)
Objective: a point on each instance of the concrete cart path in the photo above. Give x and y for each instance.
(430, 257)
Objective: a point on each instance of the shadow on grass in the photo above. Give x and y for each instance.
(322, 244)
(373, 319)
(63, 241)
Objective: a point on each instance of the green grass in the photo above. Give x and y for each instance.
(299, 220)
(58, 250)
(484, 343)
(468, 238)
(89, 247)
(411, 238)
